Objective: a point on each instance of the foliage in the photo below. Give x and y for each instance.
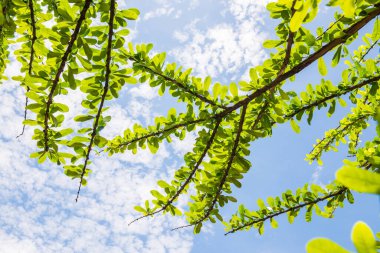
(84, 48)
(361, 236)
(352, 177)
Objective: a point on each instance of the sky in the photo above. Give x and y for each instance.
(220, 38)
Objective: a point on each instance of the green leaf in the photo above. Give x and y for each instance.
(271, 43)
(197, 228)
(234, 89)
(376, 30)
(131, 14)
(261, 204)
(363, 238)
(299, 16)
(139, 209)
(322, 66)
(207, 83)
(163, 184)
(295, 126)
(336, 57)
(359, 180)
(274, 223)
(83, 118)
(323, 245)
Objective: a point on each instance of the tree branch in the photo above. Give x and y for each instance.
(332, 194)
(338, 130)
(190, 177)
(31, 59)
(369, 49)
(338, 94)
(73, 38)
(106, 84)
(157, 133)
(177, 83)
(226, 172)
(305, 63)
(288, 46)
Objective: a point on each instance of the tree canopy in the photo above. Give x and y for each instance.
(71, 45)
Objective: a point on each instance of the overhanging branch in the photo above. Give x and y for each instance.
(62, 65)
(105, 90)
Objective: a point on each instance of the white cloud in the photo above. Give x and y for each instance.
(38, 208)
(225, 48)
(163, 11)
(315, 177)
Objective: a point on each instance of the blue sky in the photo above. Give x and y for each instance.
(219, 38)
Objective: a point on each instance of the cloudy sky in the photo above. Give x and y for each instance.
(221, 38)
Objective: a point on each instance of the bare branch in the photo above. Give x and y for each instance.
(65, 56)
(105, 90)
(331, 195)
(190, 177)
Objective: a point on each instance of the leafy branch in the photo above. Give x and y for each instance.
(189, 177)
(226, 171)
(61, 67)
(31, 59)
(290, 209)
(339, 93)
(179, 84)
(105, 90)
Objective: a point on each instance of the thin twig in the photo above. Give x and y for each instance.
(31, 59)
(157, 133)
(226, 171)
(289, 45)
(105, 90)
(182, 86)
(338, 94)
(338, 130)
(369, 49)
(331, 26)
(305, 63)
(62, 65)
(190, 177)
(331, 195)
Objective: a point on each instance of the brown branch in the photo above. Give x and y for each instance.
(157, 133)
(288, 45)
(338, 94)
(369, 49)
(308, 61)
(106, 84)
(331, 26)
(189, 178)
(31, 59)
(177, 83)
(61, 68)
(226, 172)
(332, 194)
(296, 69)
(338, 131)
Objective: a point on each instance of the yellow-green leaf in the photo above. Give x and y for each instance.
(322, 66)
(323, 245)
(295, 126)
(234, 89)
(359, 180)
(363, 238)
